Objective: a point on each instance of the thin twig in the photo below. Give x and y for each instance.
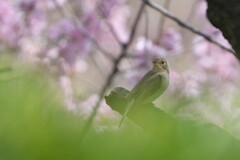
(114, 33)
(86, 33)
(183, 24)
(133, 31)
(109, 25)
(83, 30)
(146, 30)
(115, 70)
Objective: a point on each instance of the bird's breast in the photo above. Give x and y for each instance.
(159, 87)
(165, 79)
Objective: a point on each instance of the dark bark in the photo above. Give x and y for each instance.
(225, 14)
(146, 116)
(173, 133)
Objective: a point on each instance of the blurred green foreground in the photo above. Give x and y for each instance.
(34, 125)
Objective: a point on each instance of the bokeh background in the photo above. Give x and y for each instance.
(56, 58)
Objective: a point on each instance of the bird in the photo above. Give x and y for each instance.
(150, 87)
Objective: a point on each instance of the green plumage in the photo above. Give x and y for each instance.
(150, 87)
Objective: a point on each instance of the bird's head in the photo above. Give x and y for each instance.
(160, 65)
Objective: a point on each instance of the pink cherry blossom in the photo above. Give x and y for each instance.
(171, 40)
(10, 24)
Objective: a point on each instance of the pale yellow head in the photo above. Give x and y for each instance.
(160, 65)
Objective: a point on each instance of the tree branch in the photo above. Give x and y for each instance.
(185, 25)
(171, 131)
(110, 78)
(109, 25)
(146, 116)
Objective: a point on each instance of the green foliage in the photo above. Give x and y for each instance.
(34, 125)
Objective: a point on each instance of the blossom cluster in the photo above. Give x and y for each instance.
(61, 35)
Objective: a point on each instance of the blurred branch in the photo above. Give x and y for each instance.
(146, 29)
(111, 28)
(124, 48)
(133, 31)
(183, 24)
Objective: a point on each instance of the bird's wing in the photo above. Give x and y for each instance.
(142, 82)
(146, 88)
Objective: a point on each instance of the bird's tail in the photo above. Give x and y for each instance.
(129, 106)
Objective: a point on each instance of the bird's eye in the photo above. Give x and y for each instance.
(162, 62)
